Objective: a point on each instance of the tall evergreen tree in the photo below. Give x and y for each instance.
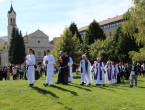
(124, 45)
(11, 44)
(18, 49)
(73, 28)
(93, 33)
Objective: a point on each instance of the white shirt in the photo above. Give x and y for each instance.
(30, 59)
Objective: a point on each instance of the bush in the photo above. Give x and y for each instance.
(37, 75)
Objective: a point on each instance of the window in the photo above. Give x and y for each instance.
(11, 20)
(110, 34)
(38, 41)
(14, 20)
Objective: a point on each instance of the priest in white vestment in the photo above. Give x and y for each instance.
(70, 62)
(98, 74)
(109, 74)
(115, 71)
(85, 68)
(48, 61)
(30, 62)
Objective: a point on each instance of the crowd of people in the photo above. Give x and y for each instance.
(99, 71)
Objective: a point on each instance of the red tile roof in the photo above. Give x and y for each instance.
(109, 20)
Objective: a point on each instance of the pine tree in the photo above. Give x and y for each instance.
(124, 45)
(18, 50)
(11, 44)
(70, 44)
(73, 28)
(94, 32)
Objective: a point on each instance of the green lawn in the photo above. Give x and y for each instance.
(16, 95)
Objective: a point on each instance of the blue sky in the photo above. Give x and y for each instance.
(52, 16)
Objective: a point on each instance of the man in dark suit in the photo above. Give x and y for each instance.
(133, 74)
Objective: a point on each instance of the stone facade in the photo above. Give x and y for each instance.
(39, 42)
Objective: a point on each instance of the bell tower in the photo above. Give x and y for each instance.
(11, 21)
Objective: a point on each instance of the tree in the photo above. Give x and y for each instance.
(102, 49)
(73, 28)
(94, 32)
(125, 44)
(11, 44)
(18, 49)
(70, 44)
(136, 20)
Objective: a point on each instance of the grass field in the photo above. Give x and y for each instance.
(16, 95)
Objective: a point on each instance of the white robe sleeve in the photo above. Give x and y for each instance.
(52, 61)
(102, 67)
(80, 67)
(117, 69)
(30, 60)
(70, 62)
(89, 64)
(44, 61)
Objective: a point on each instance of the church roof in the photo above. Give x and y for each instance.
(104, 22)
(11, 9)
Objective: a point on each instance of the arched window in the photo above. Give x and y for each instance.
(14, 20)
(11, 20)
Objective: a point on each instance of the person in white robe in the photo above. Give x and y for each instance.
(30, 62)
(70, 62)
(115, 71)
(98, 75)
(85, 68)
(48, 61)
(109, 73)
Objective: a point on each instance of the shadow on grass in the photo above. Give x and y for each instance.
(43, 91)
(65, 106)
(76, 77)
(60, 88)
(81, 88)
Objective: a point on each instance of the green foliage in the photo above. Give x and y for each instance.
(102, 49)
(94, 32)
(70, 44)
(17, 48)
(125, 44)
(135, 20)
(73, 28)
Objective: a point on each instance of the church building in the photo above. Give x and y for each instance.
(37, 40)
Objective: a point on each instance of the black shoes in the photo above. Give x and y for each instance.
(131, 86)
(30, 85)
(82, 83)
(45, 84)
